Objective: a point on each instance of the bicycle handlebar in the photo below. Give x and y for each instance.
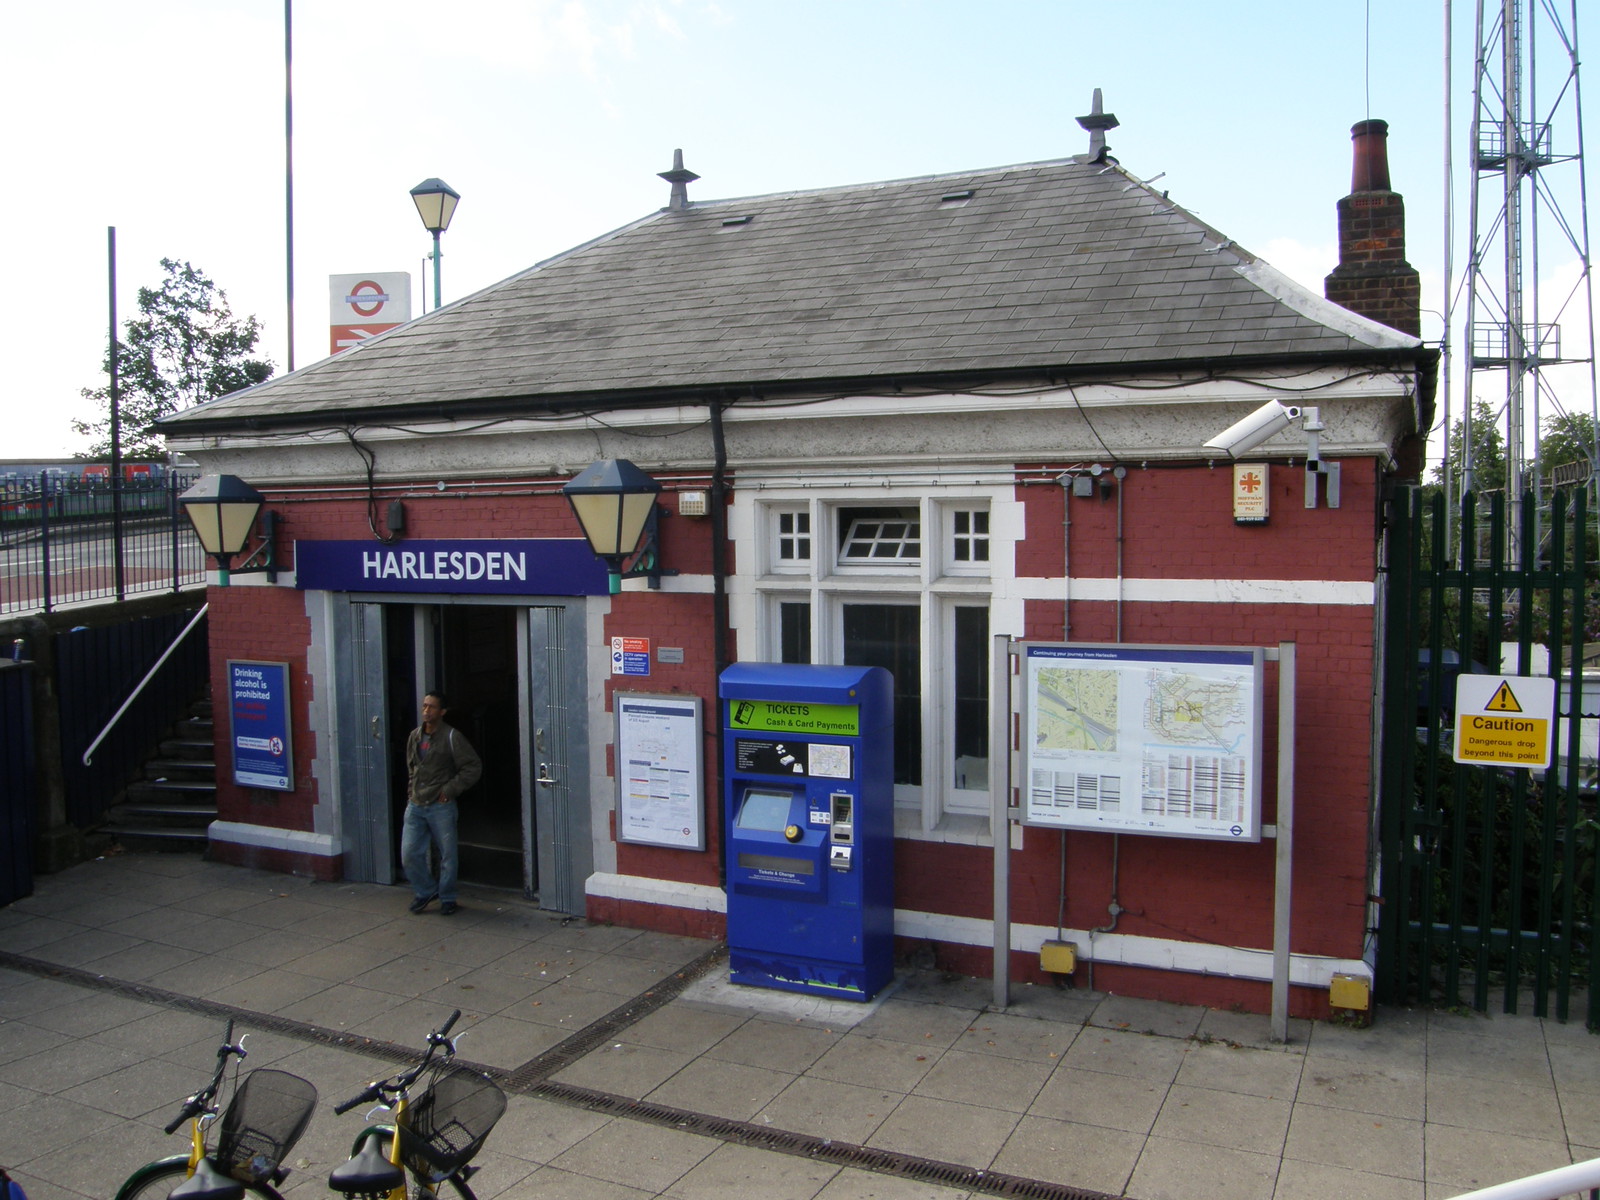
(378, 1089)
(371, 1092)
(441, 1035)
(200, 1103)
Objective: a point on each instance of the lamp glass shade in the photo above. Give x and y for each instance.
(223, 510)
(612, 500)
(436, 203)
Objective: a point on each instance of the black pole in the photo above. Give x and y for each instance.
(115, 481)
(288, 164)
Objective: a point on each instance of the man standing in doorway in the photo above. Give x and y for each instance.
(440, 765)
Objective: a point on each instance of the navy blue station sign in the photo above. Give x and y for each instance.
(476, 566)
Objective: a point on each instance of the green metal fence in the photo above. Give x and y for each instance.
(1488, 881)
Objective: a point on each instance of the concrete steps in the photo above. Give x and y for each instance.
(176, 801)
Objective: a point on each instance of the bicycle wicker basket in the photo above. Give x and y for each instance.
(268, 1113)
(452, 1119)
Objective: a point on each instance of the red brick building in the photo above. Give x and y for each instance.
(916, 415)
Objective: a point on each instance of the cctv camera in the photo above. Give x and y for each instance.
(1243, 436)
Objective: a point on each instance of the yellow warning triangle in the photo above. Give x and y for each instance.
(1503, 700)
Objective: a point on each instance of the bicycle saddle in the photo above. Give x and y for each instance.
(369, 1172)
(208, 1183)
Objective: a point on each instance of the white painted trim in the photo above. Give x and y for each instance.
(296, 841)
(1161, 954)
(1347, 592)
(665, 892)
(1325, 312)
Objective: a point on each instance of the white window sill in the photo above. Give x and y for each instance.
(958, 829)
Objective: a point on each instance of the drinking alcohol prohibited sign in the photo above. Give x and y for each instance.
(1505, 720)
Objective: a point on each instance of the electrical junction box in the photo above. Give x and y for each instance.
(1350, 992)
(1059, 958)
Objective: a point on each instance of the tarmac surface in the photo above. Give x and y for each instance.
(634, 1070)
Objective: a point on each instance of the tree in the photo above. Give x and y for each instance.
(1567, 438)
(1488, 451)
(185, 346)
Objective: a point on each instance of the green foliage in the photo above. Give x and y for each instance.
(1488, 451)
(1567, 438)
(185, 346)
(1564, 438)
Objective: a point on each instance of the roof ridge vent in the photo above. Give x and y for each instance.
(680, 178)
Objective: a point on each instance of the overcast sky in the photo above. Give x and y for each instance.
(165, 119)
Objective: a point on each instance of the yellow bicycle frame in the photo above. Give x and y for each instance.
(402, 1105)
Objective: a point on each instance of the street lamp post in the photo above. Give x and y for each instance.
(436, 203)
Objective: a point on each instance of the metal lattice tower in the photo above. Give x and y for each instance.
(1528, 217)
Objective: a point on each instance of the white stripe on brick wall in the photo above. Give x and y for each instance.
(1164, 954)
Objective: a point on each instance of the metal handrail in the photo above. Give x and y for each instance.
(150, 674)
(1563, 1181)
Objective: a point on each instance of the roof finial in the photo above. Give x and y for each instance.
(680, 178)
(1097, 122)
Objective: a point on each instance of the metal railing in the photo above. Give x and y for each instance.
(88, 755)
(1490, 890)
(69, 540)
(1550, 1185)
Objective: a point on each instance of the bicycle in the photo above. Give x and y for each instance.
(438, 1133)
(269, 1111)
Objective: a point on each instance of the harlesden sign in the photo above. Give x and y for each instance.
(486, 566)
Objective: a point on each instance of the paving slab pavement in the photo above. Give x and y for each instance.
(634, 1069)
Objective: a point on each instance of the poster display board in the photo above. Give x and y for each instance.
(659, 781)
(258, 704)
(1143, 739)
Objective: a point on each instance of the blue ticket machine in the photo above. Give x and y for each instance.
(808, 778)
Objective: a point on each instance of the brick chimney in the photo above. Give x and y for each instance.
(1373, 277)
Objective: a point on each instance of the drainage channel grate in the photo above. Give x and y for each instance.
(600, 1031)
(210, 1008)
(842, 1154)
(532, 1079)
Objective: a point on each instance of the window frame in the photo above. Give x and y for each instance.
(937, 584)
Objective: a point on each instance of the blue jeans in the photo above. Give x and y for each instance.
(425, 824)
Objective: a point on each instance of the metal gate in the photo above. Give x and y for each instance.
(1488, 887)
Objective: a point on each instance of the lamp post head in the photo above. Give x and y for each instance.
(613, 501)
(436, 203)
(223, 511)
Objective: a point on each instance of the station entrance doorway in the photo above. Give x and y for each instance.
(513, 682)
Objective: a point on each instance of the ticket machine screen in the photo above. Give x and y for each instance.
(764, 809)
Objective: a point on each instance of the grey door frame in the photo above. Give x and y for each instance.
(553, 723)
(362, 736)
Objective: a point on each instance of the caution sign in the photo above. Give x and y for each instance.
(1505, 720)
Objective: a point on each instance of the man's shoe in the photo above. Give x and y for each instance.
(422, 902)
(449, 908)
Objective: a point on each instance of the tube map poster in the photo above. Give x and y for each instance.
(1143, 739)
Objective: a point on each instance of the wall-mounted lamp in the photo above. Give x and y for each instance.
(615, 503)
(1272, 417)
(223, 511)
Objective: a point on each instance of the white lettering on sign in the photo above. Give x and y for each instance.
(498, 565)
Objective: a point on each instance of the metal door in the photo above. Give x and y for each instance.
(557, 839)
(363, 736)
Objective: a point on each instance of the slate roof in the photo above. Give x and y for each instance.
(1070, 266)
